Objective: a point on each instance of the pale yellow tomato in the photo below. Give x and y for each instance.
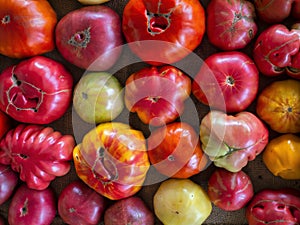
(181, 201)
(92, 2)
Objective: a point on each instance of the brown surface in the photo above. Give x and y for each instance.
(256, 169)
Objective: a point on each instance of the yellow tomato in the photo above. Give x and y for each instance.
(181, 201)
(282, 156)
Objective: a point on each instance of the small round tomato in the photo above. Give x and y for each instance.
(27, 28)
(163, 31)
(5, 123)
(112, 159)
(279, 106)
(181, 201)
(174, 150)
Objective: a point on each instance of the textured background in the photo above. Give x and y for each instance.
(259, 174)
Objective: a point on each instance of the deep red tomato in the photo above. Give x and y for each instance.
(27, 28)
(37, 90)
(112, 159)
(227, 81)
(157, 95)
(8, 181)
(178, 25)
(274, 206)
(174, 150)
(5, 123)
(231, 24)
(79, 204)
(230, 191)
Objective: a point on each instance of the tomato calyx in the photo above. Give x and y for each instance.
(5, 19)
(24, 209)
(81, 39)
(158, 22)
(230, 81)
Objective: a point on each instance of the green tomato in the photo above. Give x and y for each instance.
(181, 201)
(98, 97)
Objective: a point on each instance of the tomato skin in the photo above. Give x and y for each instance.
(8, 182)
(26, 28)
(231, 24)
(112, 159)
(181, 23)
(157, 95)
(279, 106)
(227, 81)
(174, 150)
(5, 123)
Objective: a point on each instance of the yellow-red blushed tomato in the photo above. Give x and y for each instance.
(279, 106)
(26, 28)
(112, 159)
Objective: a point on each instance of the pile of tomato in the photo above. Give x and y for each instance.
(149, 112)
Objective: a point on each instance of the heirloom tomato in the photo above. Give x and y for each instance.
(27, 28)
(37, 90)
(279, 106)
(174, 150)
(5, 123)
(282, 156)
(276, 51)
(79, 204)
(90, 37)
(181, 201)
(230, 191)
(274, 206)
(112, 159)
(165, 31)
(157, 95)
(227, 81)
(29, 206)
(8, 182)
(231, 24)
(38, 153)
(271, 11)
(231, 141)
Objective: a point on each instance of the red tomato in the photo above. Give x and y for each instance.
(27, 28)
(230, 191)
(227, 81)
(178, 25)
(174, 150)
(231, 24)
(8, 181)
(112, 159)
(5, 123)
(157, 95)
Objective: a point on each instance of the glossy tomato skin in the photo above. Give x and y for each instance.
(37, 90)
(112, 159)
(231, 24)
(94, 43)
(231, 141)
(29, 206)
(227, 81)
(79, 204)
(279, 106)
(39, 154)
(274, 206)
(8, 182)
(175, 151)
(27, 28)
(179, 27)
(276, 11)
(275, 49)
(230, 191)
(5, 123)
(157, 95)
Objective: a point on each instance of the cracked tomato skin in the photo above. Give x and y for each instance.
(37, 90)
(275, 49)
(231, 24)
(39, 154)
(274, 206)
(231, 141)
(157, 95)
(178, 25)
(279, 106)
(112, 159)
(26, 28)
